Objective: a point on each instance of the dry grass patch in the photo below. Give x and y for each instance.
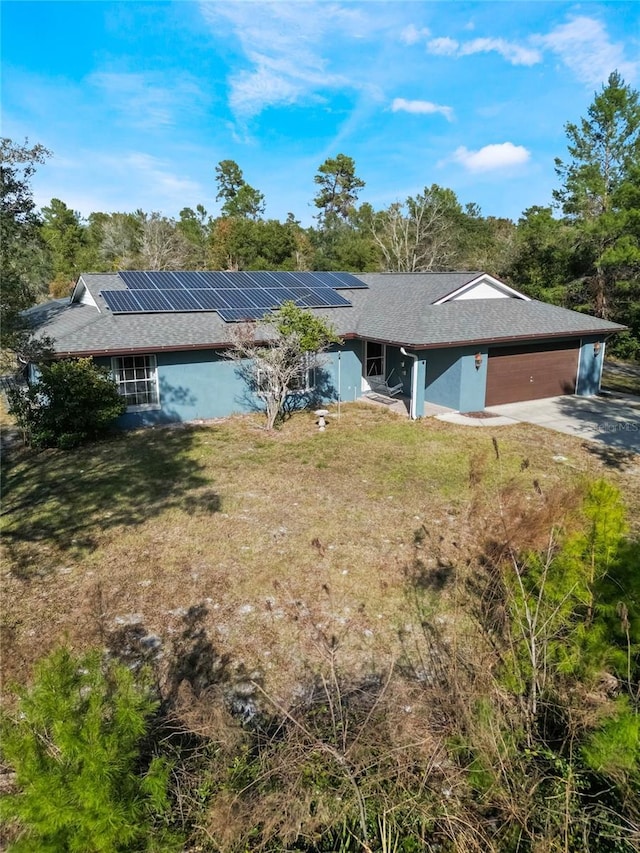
(293, 543)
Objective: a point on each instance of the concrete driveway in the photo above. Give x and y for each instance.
(611, 419)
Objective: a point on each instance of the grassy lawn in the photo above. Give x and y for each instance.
(621, 376)
(287, 543)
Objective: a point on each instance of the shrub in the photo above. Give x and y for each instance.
(71, 402)
(75, 744)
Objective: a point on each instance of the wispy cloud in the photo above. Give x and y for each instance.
(142, 99)
(510, 51)
(283, 45)
(443, 46)
(584, 46)
(421, 108)
(412, 34)
(155, 175)
(288, 50)
(115, 181)
(503, 155)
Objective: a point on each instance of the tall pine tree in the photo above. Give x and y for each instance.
(600, 194)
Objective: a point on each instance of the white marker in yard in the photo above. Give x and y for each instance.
(321, 415)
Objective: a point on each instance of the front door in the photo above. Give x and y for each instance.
(373, 367)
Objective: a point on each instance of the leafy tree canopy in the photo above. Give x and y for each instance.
(240, 199)
(338, 188)
(24, 260)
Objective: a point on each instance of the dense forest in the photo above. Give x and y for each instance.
(583, 252)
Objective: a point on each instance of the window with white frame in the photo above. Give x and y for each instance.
(305, 378)
(137, 380)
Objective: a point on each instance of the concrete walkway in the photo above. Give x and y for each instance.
(611, 419)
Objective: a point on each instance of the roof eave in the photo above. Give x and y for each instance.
(517, 338)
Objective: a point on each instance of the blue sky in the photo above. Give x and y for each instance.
(139, 101)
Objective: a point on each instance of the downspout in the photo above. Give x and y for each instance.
(339, 381)
(414, 383)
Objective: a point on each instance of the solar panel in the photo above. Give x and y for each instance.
(306, 279)
(262, 279)
(182, 300)
(319, 279)
(237, 298)
(135, 279)
(217, 280)
(261, 298)
(160, 280)
(152, 300)
(326, 298)
(120, 301)
(211, 300)
(345, 279)
(238, 315)
(281, 278)
(277, 295)
(241, 279)
(200, 280)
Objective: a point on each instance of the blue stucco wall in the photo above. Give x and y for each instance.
(590, 367)
(473, 380)
(453, 380)
(443, 376)
(202, 384)
(344, 365)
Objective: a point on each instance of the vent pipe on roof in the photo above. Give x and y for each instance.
(414, 383)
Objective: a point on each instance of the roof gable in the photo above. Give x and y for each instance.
(484, 286)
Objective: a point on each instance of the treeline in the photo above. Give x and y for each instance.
(509, 723)
(583, 253)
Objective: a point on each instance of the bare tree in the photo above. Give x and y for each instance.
(287, 363)
(421, 233)
(162, 246)
(120, 240)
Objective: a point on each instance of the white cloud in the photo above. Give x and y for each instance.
(499, 156)
(443, 46)
(412, 35)
(284, 45)
(513, 53)
(421, 108)
(583, 45)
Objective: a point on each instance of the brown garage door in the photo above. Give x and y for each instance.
(531, 372)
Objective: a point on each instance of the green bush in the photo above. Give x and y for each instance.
(75, 745)
(72, 401)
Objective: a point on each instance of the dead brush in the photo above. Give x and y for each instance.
(348, 749)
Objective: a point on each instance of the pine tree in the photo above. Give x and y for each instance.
(600, 194)
(75, 744)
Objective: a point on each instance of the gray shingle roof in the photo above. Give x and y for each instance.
(396, 308)
(415, 285)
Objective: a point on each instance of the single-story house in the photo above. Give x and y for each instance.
(464, 340)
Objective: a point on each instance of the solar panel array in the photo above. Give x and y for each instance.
(236, 296)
